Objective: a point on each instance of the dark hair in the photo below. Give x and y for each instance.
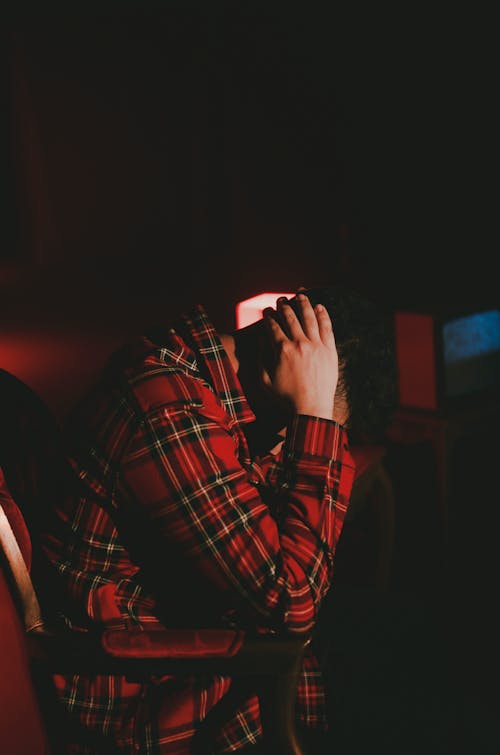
(364, 334)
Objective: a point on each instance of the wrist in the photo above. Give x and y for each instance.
(315, 411)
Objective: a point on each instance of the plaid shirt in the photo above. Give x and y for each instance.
(175, 523)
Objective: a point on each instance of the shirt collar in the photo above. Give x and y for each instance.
(206, 342)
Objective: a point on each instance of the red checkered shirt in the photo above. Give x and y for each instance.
(175, 524)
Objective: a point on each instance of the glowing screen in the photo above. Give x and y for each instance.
(472, 352)
(250, 310)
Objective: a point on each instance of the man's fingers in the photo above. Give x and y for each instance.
(325, 326)
(277, 333)
(308, 316)
(293, 327)
(312, 322)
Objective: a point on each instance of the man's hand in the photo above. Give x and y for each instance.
(306, 368)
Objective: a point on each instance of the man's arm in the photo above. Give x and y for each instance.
(184, 469)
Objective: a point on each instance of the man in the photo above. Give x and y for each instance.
(212, 477)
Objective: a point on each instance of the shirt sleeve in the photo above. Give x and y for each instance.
(182, 468)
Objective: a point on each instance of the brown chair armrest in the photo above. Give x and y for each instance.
(270, 664)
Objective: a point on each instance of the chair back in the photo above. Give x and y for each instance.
(22, 726)
(31, 450)
(31, 465)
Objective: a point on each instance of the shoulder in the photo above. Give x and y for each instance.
(141, 379)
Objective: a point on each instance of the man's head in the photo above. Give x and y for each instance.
(367, 383)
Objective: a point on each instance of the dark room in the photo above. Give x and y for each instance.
(272, 530)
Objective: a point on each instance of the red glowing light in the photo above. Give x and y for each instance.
(250, 310)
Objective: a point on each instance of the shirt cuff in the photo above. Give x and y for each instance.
(315, 436)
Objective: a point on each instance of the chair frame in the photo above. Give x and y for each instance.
(270, 664)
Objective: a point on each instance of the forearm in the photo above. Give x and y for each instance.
(313, 482)
(200, 497)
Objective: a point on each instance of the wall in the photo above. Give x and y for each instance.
(160, 154)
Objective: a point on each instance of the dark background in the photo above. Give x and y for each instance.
(213, 151)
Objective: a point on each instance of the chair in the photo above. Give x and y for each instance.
(22, 728)
(31, 471)
(28, 717)
(32, 652)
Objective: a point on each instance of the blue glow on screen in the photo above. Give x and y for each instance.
(471, 348)
(472, 336)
